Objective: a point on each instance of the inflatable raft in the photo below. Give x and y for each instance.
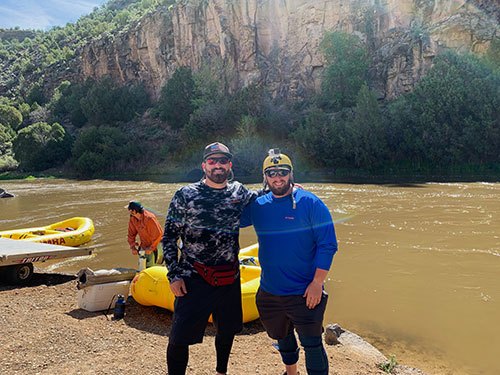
(71, 232)
(151, 287)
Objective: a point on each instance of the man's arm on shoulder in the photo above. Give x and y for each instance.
(246, 216)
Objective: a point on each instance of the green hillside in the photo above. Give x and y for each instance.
(448, 126)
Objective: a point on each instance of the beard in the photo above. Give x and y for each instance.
(282, 190)
(218, 175)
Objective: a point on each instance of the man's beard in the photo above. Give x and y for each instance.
(218, 176)
(279, 191)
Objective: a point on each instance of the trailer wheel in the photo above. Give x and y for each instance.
(20, 273)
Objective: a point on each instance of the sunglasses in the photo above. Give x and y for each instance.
(277, 172)
(222, 160)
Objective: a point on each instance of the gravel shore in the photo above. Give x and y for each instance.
(42, 331)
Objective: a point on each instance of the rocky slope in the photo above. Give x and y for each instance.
(276, 42)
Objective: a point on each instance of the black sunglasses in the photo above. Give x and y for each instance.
(277, 172)
(222, 160)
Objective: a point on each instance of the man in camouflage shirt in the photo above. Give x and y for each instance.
(203, 225)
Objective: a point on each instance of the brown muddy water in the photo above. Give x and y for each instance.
(417, 273)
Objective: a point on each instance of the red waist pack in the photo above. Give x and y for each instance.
(221, 275)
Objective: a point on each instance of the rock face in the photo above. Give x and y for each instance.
(276, 42)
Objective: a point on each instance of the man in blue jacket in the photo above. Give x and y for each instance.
(297, 243)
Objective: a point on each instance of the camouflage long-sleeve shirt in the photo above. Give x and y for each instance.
(207, 222)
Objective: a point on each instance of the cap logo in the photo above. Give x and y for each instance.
(276, 159)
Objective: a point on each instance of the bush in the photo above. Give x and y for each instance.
(346, 70)
(452, 116)
(210, 119)
(100, 150)
(175, 103)
(248, 148)
(313, 135)
(8, 163)
(104, 103)
(36, 95)
(368, 133)
(10, 116)
(6, 137)
(40, 146)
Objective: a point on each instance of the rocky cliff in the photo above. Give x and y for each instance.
(276, 42)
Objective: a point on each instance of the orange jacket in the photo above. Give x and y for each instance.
(148, 229)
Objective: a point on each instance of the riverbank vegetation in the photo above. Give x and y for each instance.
(449, 124)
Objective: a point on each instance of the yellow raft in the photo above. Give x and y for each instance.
(71, 232)
(151, 287)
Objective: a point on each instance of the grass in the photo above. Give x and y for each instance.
(13, 175)
(389, 365)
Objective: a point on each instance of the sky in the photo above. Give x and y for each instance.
(43, 14)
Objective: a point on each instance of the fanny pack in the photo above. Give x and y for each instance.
(221, 275)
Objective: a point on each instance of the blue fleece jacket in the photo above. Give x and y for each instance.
(293, 242)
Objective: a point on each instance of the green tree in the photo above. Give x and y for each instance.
(41, 146)
(368, 138)
(6, 137)
(99, 150)
(346, 70)
(452, 116)
(10, 116)
(492, 57)
(105, 103)
(36, 95)
(249, 148)
(212, 111)
(175, 103)
(67, 100)
(324, 138)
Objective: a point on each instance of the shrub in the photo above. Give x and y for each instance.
(10, 116)
(248, 148)
(40, 146)
(451, 117)
(175, 103)
(36, 95)
(8, 163)
(346, 70)
(67, 102)
(99, 150)
(6, 137)
(368, 134)
(104, 103)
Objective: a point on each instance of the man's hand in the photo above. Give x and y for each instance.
(313, 294)
(178, 287)
(133, 249)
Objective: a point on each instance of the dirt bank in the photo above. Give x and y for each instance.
(42, 331)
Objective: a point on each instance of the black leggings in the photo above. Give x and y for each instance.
(178, 355)
(177, 359)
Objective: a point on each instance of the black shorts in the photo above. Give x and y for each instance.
(280, 314)
(191, 312)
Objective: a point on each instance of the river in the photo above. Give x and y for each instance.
(417, 272)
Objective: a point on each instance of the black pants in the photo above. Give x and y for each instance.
(178, 355)
(191, 313)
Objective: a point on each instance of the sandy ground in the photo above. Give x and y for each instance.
(42, 331)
